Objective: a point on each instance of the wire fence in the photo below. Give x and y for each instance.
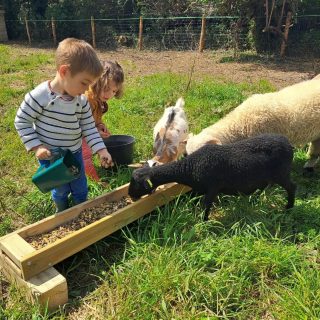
(174, 33)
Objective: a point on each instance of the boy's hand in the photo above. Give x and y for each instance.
(41, 152)
(103, 131)
(105, 158)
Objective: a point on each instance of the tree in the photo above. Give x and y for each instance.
(277, 12)
(165, 8)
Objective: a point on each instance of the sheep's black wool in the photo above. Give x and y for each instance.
(240, 167)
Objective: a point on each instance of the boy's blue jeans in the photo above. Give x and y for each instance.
(78, 188)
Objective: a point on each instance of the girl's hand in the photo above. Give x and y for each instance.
(103, 131)
(105, 158)
(41, 152)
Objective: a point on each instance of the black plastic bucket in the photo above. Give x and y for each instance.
(121, 148)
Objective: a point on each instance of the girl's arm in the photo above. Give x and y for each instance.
(103, 130)
(89, 129)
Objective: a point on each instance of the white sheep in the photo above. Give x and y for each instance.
(170, 134)
(293, 112)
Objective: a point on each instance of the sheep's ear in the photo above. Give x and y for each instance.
(214, 141)
(180, 103)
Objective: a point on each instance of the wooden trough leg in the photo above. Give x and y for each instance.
(48, 288)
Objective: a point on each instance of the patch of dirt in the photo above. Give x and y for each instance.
(220, 64)
(210, 63)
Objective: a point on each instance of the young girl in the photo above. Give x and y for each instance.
(109, 85)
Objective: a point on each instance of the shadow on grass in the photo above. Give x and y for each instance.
(268, 208)
(272, 62)
(246, 57)
(85, 270)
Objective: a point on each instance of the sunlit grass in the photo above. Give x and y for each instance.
(252, 260)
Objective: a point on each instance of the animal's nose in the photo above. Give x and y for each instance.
(133, 197)
(152, 163)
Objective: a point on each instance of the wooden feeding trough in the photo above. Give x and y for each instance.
(32, 267)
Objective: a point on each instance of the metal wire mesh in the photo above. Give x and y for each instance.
(179, 33)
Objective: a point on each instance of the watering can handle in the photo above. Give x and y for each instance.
(56, 154)
(42, 167)
(62, 152)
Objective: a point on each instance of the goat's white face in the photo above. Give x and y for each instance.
(170, 134)
(165, 148)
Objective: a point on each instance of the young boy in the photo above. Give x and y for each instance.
(56, 115)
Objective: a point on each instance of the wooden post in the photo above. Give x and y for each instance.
(28, 32)
(285, 34)
(3, 29)
(93, 31)
(54, 35)
(267, 13)
(202, 34)
(235, 27)
(140, 33)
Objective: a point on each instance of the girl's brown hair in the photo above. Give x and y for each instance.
(111, 71)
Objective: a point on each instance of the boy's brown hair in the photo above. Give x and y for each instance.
(111, 71)
(79, 56)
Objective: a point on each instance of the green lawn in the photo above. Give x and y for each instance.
(252, 260)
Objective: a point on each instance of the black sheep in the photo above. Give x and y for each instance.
(240, 167)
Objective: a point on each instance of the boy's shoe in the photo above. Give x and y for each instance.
(61, 205)
(77, 201)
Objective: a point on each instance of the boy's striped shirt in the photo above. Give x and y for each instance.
(44, 117)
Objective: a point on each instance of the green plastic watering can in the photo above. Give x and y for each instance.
(60, 171)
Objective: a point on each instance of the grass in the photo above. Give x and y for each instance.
(252, 260)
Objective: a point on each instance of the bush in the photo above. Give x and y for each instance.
(299, 43)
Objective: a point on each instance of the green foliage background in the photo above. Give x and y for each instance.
(242, 29)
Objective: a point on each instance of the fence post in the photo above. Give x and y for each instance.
(235, 27)
(202, 34)
(93, 31)
(28, 32)
(140, 33)
(53, 27)
(285, 34)
(3, 28)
